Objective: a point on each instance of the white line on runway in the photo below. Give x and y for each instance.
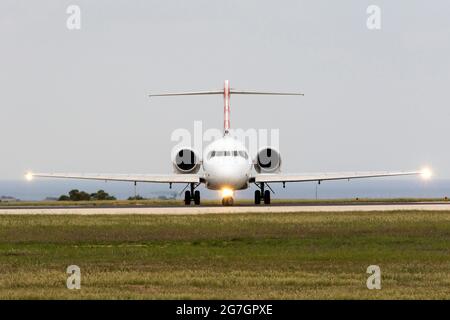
(224, 210)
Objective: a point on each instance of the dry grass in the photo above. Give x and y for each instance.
(255, 256)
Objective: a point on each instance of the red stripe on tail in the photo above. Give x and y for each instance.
(226, 106)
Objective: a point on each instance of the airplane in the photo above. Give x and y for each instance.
(226, 164)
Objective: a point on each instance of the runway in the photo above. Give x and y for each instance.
(198, 210)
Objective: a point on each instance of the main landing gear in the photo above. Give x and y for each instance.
(192, 195)
(261, 192)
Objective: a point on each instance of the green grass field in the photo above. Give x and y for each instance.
(178, 202)
(255, 256)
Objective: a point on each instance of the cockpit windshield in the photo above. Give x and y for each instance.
(234, 153)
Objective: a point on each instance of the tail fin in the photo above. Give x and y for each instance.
(226, 91)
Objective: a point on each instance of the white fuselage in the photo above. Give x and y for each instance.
(226, 164)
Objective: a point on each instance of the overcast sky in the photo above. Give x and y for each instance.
(76, 100)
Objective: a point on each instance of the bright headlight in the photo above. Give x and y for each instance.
(227, 193)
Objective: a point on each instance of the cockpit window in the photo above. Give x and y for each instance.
(235, 153)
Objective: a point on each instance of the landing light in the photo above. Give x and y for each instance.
(426, 173)
(29, 176)
(227, 193)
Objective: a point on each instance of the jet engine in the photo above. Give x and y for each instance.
(186, 161)
(268, 160)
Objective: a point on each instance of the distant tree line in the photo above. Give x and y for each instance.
(138, 197)
(77, 195)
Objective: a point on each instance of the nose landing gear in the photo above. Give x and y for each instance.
(227, 201)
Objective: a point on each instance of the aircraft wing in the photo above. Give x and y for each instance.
(162, 178)
(273, 177)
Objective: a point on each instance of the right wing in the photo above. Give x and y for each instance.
(161, 178)
(270, 177)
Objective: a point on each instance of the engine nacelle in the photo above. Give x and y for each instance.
(186, 161)
(268, 160)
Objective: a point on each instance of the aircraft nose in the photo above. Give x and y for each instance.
(226, 173)
(229, 175)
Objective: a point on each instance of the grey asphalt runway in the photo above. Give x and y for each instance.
(182, 210)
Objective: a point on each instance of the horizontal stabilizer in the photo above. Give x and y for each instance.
(275, 93)
(227, 91)
(232, 91)
(187, 93)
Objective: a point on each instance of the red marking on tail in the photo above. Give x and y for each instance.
(226, 106)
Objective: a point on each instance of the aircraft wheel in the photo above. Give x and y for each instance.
(267, 197)
(228, 201)
(197, 197)
(257, 197)
(187, 198)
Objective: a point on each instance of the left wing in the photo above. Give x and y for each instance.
(273, 177)
(161, 178)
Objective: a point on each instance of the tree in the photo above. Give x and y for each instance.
(84, 196)
(64, 198)
(102, 195)
(138, 197)
(76, 195)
